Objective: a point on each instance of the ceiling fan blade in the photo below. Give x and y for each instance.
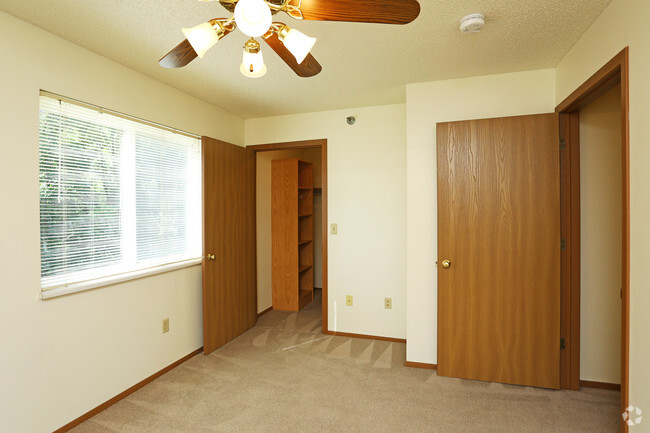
(308, 68)
(360, 11)
(184, 53)
(179, 56)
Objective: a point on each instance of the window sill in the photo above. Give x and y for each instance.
(114, 279)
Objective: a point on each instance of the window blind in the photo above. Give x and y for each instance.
(116, 195)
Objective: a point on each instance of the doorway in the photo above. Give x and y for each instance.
(311, 151)
(614, 75)
(600, 242)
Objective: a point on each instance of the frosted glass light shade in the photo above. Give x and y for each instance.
(201, 37)
(253, 17)
(253, 65)
(298, 43)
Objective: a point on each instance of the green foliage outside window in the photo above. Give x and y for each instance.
(80, 172)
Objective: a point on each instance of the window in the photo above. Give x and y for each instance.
(118, 197)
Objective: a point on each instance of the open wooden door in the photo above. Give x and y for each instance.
(499, 250)
(229, 257)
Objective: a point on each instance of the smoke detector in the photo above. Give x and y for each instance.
(472, 23)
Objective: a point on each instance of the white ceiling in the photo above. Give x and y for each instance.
(363, 64)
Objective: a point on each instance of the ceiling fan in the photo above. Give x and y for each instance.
(254, 18)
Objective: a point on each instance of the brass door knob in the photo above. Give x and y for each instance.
(446, 264)
(210, 256)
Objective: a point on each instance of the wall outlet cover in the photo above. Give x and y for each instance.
(388, 303)
(165, 326)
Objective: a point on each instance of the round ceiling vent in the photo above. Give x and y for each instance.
(472, 23)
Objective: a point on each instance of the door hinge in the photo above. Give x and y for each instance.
(562, 344)
(563, 244)
(562, 143)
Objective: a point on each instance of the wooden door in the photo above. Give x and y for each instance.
(499, 226)
(229, 260)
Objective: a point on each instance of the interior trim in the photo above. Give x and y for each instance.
(288, 145)
(614, 72)
(48, 293)
(600, 385)
(421, 365)
(260, 314)
(108, 403)
(364, 336)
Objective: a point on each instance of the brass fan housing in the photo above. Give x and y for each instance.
(252, 46)
(275, 5)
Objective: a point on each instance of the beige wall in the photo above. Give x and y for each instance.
(366, 171)
(263, 196)
(622, 24)
(442, 101)
(62, 357)
(600, 239)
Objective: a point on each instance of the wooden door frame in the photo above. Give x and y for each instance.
(616, 71)
(308, 144)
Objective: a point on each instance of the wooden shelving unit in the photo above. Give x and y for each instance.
(292, 233)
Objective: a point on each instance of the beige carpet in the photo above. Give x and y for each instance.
(285, 376)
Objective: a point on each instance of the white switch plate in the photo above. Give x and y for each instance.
(165, 326)
(348, 300)
(335, 228)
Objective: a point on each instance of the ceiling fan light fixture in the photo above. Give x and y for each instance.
(201, 37)
(253, 17)
(253, 61)
(298, 43)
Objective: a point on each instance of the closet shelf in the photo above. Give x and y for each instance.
(292, 233)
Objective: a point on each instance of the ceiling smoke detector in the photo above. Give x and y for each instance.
(472, 23)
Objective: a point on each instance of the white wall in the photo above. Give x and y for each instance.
(442, 101)
(62, 357)
(600, 239)
(622, 24)
(263, 219)
(366, 170)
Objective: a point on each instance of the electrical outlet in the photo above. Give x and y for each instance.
(335, 229)
(165, 325)
(388, 303)
(348, 300)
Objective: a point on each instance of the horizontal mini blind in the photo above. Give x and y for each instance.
(116, 195)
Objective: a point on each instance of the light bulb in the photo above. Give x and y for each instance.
(253, 17)
(298, 43)
(253, 61)
(201, 37)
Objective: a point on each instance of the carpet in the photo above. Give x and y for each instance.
(284, 375)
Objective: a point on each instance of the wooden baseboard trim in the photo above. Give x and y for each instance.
(600, 385)
(264, 312)
(368, 337)
(421, 365)
(91, 413)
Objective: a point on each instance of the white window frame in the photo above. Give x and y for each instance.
(127, 220)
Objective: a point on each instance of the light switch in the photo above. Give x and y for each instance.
(335, 228)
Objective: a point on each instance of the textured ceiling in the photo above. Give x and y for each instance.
(363, 64)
